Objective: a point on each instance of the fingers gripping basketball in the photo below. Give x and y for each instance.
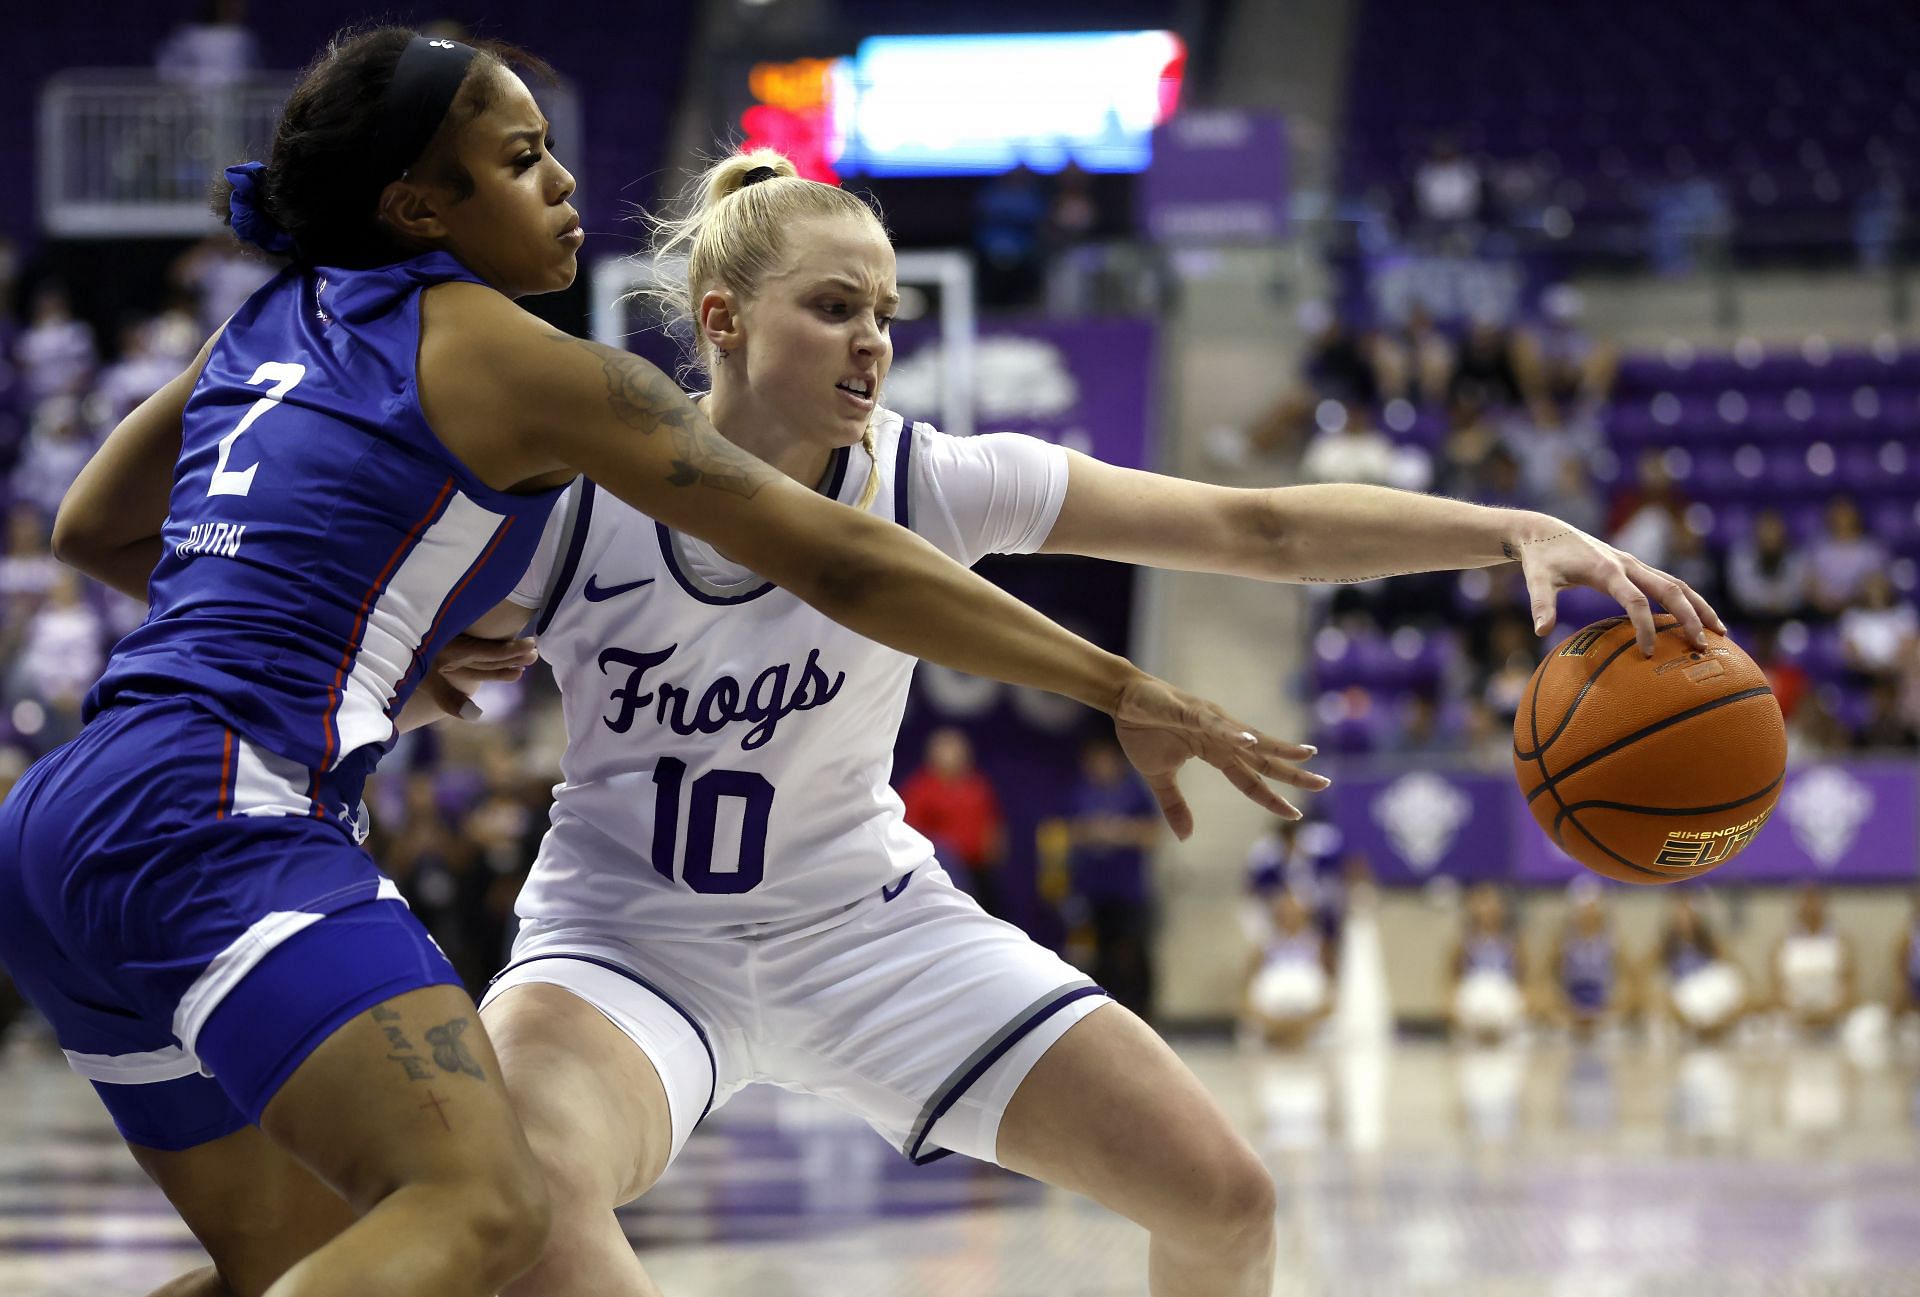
(1649, 769)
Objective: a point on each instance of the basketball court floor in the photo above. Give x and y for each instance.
(1554, 1170)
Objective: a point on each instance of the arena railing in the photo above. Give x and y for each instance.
(126, 153)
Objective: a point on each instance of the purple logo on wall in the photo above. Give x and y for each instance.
(1217, 177)
(1843, 821)
(1084, 384)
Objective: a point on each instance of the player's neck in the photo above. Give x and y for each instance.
(759, 433)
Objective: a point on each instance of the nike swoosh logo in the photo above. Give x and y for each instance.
(598, 593)
(888, 893)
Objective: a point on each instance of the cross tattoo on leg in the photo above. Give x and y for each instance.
(436, 1103)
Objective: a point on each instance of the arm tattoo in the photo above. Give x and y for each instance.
(1511, 550)
(450, 1052)
(1345, 580)
(644, 399)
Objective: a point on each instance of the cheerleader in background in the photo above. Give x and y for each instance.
(1290, 980)
(1488, 971)
(1706, 991)
(1588, 993)
(1813, 978)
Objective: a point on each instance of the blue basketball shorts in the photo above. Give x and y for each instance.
(195, 916)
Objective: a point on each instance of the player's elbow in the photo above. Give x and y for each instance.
(1274, 542)
(80, 536)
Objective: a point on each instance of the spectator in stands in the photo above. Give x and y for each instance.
(1575, 496)
(213, 50)
(1009, 212)
(1816, 729)
(1647, 516)
(14, 761)
(1487, 737)
(1512, 654)
(56, 352)
(1422, 731)
(1112, 823)
(1349, 448)
(1562, 370)
(176, 331)
(219, 277)
(953, 804)
(1788, 679)
(1338, 366)
(435, 866)
(1841, 558)
(1073, 213)
(1471, 437)
(1766, 575)
(1883, 728)
(1498, 481)
(1813, 979)
(1485, 370)
(1705, 991)
(1447, 193)
(137, 374)
(1488, 971)
(1877, 631)
(1547, 452)
(61, 655)
(1908, 687)
(1415, 362)
(504, 827)
(1689, 558)
(56, 449)
(27, 569)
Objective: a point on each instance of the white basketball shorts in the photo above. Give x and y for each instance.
(912, 1009)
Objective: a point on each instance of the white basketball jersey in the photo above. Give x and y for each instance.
(728, 747)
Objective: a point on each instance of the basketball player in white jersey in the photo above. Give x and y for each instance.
(729, 893)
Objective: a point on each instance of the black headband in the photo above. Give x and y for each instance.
(416, 101)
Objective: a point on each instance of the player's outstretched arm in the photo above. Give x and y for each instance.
(1342, 533)
(108, 525)
(520, 401)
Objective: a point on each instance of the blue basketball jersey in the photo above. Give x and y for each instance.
(322, 545)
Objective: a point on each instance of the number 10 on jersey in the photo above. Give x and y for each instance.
(703, 813)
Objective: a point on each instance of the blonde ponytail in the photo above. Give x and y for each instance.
(732, 233)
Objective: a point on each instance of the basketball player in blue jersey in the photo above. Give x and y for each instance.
(359, 464)
(729, 893)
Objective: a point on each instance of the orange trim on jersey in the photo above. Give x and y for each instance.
(225, 798)
(485, 554)
(353, 638)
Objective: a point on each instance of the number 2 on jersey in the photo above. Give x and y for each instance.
(703, 814)
(285, 376)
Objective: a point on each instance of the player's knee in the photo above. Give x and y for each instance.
(1233, 1201)
(507, 1222)
(1248, 1200)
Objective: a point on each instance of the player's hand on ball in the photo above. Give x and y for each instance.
(1555, 555)
(1160, 728)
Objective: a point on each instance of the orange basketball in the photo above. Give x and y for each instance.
(1649, 769)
